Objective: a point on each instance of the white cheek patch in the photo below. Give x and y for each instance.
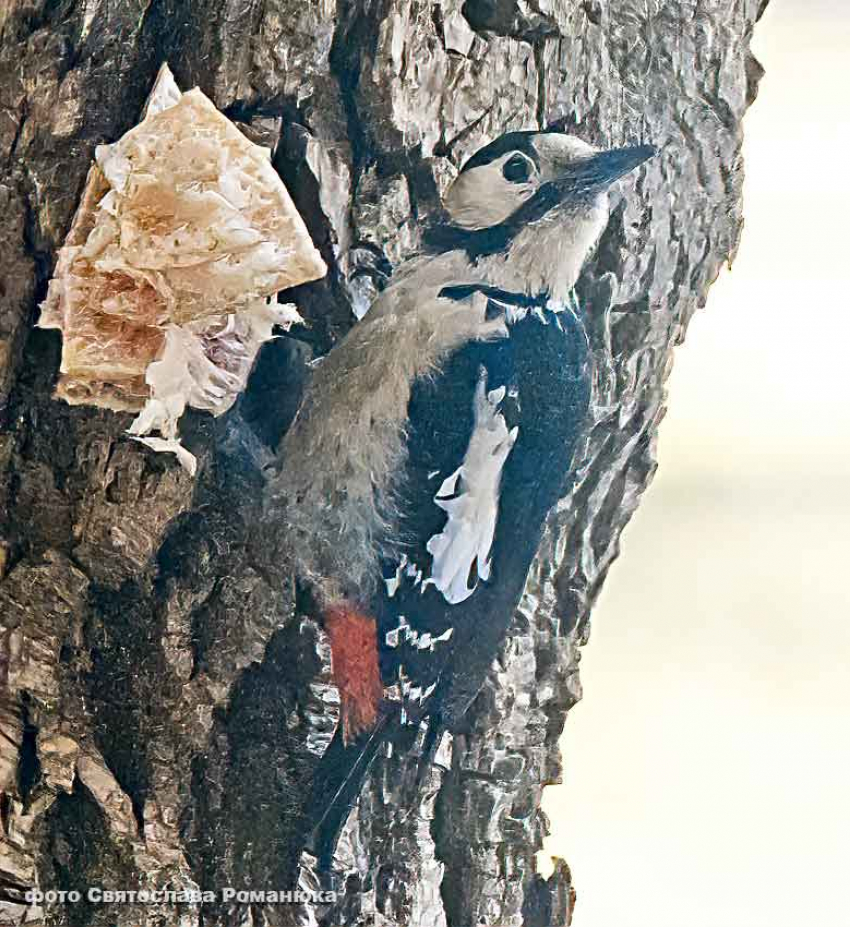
(470, 498)
(481, 197)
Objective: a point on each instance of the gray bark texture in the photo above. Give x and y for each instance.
(164, 692)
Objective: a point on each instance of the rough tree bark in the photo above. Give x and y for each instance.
(164, 698)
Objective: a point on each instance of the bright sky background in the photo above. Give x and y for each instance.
(707, 779)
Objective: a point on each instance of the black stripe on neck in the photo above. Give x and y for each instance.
(465, 290)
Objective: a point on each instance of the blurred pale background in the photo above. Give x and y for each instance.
(708, 767)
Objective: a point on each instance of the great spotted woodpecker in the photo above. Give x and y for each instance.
(433, 440)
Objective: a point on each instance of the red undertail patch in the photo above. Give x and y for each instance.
(354, 662)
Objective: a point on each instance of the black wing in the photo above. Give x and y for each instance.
(441, 620)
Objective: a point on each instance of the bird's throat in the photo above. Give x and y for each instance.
(547, 256)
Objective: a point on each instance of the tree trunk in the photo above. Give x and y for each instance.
(164, 695)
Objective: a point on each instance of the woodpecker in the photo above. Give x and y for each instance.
(433, 440)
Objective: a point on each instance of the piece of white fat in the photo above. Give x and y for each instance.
(470, 498)
(204, 365)
(166, 285)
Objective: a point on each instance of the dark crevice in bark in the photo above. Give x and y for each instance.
(274, 390)
(124, 684)
(354, 44)
(36, 248)
(508, 18)
(78, 853)
(250, 790)
(29, 765)
(540, 63)
(325, 303)
(5, 809)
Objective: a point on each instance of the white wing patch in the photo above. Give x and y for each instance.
(470, 497)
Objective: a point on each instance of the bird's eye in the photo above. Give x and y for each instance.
(517, 169)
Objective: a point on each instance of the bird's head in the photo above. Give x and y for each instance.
(533, 205)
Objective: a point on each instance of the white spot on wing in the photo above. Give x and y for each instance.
(418, 694)
(392, 583)
(470, 497)
(405, 633)
(414, 573)
(404, 568)
(392, 637)
(427, 642)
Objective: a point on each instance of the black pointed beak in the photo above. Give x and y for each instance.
(598, 172)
